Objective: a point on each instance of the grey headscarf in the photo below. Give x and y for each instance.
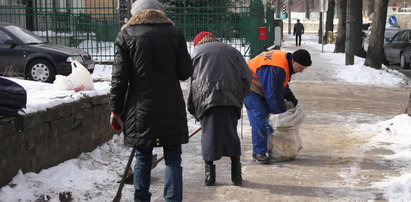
(146, 4)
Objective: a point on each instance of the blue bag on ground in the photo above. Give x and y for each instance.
(13, 97)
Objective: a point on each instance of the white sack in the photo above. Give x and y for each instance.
(285, 142)
(79, 79)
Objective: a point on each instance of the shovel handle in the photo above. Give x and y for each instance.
(117, 198)
(154, 164)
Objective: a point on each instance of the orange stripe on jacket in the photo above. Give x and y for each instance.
(275, 58)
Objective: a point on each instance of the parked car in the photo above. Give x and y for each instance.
(389, 33)
(398, 49)
(25, 54)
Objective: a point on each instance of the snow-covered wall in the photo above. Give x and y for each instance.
(46, 138)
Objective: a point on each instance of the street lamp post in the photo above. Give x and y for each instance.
(349, 46)
(289, 16)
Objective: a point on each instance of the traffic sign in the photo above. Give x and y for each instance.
(392, 20)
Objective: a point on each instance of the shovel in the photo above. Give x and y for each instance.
(117, 198)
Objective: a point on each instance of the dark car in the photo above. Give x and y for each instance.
(389, 33)
(398, 49)
(25, 54)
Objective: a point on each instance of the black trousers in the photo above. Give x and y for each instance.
(298, 39)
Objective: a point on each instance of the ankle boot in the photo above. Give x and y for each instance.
(236, 173)
(210, 174)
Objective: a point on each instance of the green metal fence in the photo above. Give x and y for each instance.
(235, 22)
(92, 25)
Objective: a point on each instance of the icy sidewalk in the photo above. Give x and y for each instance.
(338, 161)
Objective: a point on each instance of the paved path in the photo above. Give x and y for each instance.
(334, 164)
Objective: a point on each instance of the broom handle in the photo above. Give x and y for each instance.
(154, 164)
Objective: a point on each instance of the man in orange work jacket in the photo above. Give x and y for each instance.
(269, 89)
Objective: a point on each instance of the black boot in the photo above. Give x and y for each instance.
(210, 174)
(261, 158)
(236, 173)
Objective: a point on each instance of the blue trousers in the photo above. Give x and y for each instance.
(173, 188)
(258, 111)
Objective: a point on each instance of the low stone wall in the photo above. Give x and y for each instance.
(44, 139)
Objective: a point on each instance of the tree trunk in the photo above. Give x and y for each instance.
(307, 9)
(329, 23)
(375, 48)
(370, 7)
(342, 16)
(358, 50)
(408, 110)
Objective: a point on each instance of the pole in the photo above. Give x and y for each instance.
(324, 8)
(122, 12)
(349, 46)
(277, 9)
(289, 16)
(320, 29)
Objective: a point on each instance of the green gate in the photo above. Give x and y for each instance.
(235, 22)
(92, 25)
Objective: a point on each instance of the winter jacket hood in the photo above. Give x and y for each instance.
(148, 16)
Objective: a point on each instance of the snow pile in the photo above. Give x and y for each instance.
(102, 73)
(361, 74)
(395, 135)
(80, 177)
(41, 96)
(358, 73)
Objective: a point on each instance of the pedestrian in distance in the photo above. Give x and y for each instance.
(298, 31)
(150, 61)
(271, 71)
(220, 81)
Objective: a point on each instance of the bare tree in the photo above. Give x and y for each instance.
(342, 16)
(370, 7)
(308, 5)
(329, 23)
(375, 47)
(408, 110)
(307, 9)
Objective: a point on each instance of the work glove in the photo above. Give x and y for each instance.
(293, 100)
(115, 121)
(289, 105)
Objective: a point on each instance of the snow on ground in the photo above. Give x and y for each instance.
(395, 135)
(85, 176)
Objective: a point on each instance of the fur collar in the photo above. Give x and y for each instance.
(209, 38)
(148, 16)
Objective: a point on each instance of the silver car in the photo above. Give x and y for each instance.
(389, 33)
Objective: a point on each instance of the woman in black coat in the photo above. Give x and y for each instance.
(151, 58)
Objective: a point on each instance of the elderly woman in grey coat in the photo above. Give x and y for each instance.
(220, 81)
